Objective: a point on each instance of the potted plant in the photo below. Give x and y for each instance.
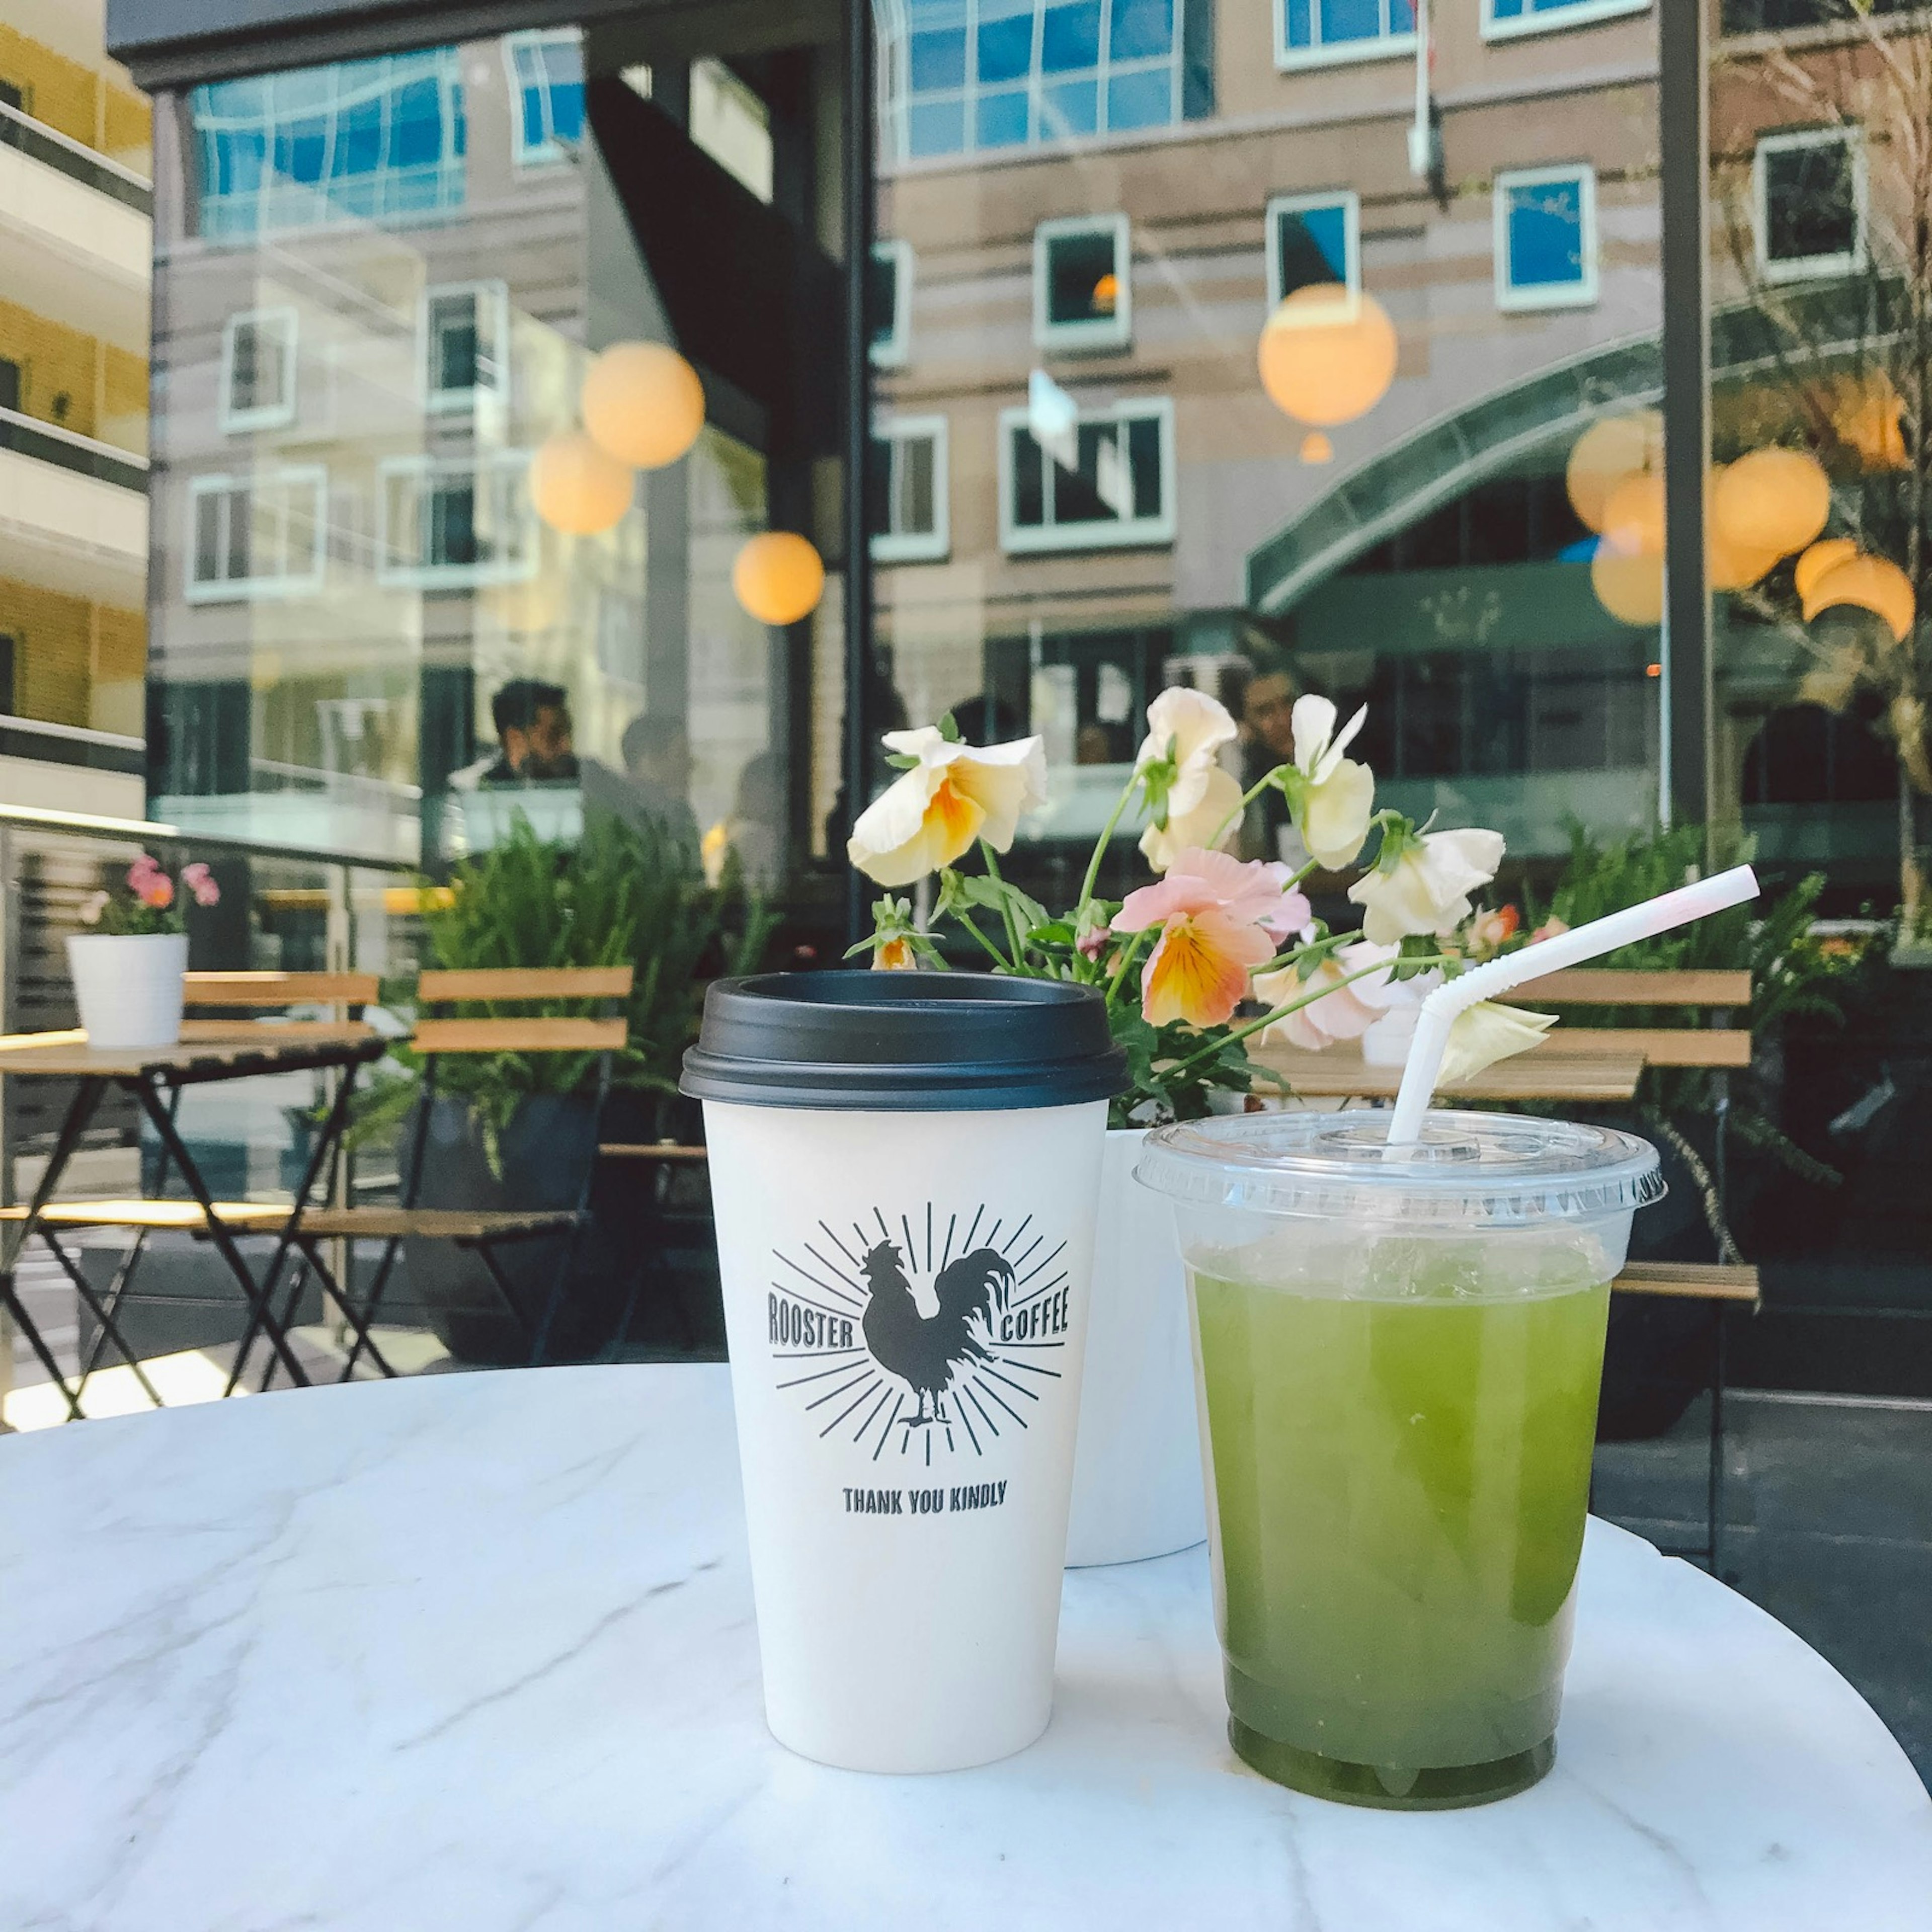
(1177, 961)
(521, 1131)
(128, 967)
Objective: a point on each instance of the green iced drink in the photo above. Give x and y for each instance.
(1399, 1486)
(1399, 1357)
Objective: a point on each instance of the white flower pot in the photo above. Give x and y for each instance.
(129, 986)
(1137, 1483)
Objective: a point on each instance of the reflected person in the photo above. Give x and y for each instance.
(658, 762)
(533, 735)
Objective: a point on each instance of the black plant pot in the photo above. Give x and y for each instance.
(546, 1149)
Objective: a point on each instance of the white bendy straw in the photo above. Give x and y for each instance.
(1505, 974)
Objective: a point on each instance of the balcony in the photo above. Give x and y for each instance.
(74, 512)
(75, 229)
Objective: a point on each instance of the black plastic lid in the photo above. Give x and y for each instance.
(903, 1042)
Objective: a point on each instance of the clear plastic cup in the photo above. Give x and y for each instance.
(1398, 1353)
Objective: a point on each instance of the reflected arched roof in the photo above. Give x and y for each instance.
(1828, 326)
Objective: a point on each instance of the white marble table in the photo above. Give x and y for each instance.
(476, 1653)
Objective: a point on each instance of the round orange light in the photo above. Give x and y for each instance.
(1606, 454)
(1865, 415)
(1328, 356)
(1822, 557)
(576, 487)
(643, 404)
(1773, 500)
(1106, 294)
(779, 578)
(1630, 588)
(1315, 448)
(1634, 516)
(1734, 567)
(1872, 584)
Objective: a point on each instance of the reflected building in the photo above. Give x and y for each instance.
(381, 282)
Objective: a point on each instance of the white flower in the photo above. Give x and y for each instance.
(1215, 816)
(1485, 1034)
(932, 814)
(1427, 889)
(1336, 796)
(1185, 728)
(92, 908)
(1340, 1013)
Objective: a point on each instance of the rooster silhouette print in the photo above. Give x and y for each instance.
(896, 1371)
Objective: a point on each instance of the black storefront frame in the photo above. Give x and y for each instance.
(178, 43)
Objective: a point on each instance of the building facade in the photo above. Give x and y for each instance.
(75, 251)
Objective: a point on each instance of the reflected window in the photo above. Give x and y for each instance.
(1809, 187)
(546, 73)
(1083, 284)
(466, 340)
(455, 523)
(1546, 240)
(1310, 31)
(967, 76)
(258, 369)
(257, 536)
(1312, 239)
(1106, 482)
(1504, 17)
(732, 125)
(1758, 16)
(910, 521)
(888, 304)
(379, 140)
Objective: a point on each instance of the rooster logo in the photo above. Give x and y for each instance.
(974, 1353)
(926, 1351)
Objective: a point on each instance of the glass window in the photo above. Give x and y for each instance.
(1104, 483)
(456, 522)
(258, 536)
(258, 369)
(909, 519)
(546, 73)
(1504, 17)
(454, 249)
(1546, 241)
(1309, 31)
(889, 292)
(1312, 239)
(379, 140)
(1810, 197)
(466, 343)
(1083, 283)
(732, 125)
(958, 76)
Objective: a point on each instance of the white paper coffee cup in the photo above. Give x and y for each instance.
(905, 1295)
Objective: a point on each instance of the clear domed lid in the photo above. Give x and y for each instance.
(1469, 1170)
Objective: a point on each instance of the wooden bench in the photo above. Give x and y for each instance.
(1718, 994)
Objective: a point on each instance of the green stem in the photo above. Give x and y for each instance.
(1006, 905)
(1100, 845)
(1282, 1012)
(1248, 798)
(1128, 953)
(972, 925)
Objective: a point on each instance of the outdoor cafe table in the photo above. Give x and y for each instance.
(478, 1651)
(209, 1051)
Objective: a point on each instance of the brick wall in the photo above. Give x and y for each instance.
(77, 101)
(71, 379)
(68, 652)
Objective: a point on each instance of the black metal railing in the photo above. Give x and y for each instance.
(26, 435)
(78, 163)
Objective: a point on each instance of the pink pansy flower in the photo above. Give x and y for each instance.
(1093, 944)
(1340, 1012)
(141, 870)
(1550, 928)
(156, 890)
(201, 883)
(1218, 919)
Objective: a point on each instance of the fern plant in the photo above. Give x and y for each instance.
(619, 895)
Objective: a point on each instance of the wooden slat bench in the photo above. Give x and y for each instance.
(1718, 994)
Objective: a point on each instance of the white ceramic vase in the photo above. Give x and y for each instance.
(1137, 1484)
(129, 986)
